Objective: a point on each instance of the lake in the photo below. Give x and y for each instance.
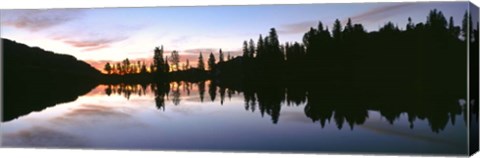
(204, 116)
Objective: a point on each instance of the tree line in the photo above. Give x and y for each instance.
(334, 56)
(125, 67)
(164, 64)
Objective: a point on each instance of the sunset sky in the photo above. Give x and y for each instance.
(113, 34)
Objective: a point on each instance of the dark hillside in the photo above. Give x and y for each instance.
(35, 78)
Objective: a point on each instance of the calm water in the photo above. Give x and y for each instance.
(201, 116)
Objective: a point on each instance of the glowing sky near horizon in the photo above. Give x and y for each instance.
(113, 34)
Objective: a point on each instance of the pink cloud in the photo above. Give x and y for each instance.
(92, 44)
(300, 27)
(381, 13)
(36, 20)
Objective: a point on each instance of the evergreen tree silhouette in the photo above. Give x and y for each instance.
(337, 30)
(466, 22)
(260, 47)
(211, 62)
(175, 59)
(201, 64)
(348, 27)
(220, 56)
(144, 68)
(245, 49)
(158, 61)
(251, 49)
(166, 65)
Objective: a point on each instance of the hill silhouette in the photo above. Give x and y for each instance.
(35, 78)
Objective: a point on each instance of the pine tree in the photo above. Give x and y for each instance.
(158, 60)
(274, 46)
(201, 64)
(466, 25)
(436, 20)
(260, 47)
(166, 65)
(175, 59)
(144, 68)
(348, 27)
(245, 49)
(451, 25)
(211, 62)
(220, 56)
(251, 48)
(337, 30)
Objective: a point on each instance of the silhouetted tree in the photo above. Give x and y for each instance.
(152, 68)
(201, 64)
(436, 20)
(274, 46)
(211, 62)
(410, 25)
(467, 21)
(260, 48)
(220, 56)
(119, 68)
(348, 27)
(337, 30)
(389, 27)
(144, 68)
(454, 30)
(108, 68)
(166, 65)
(251, 48)
(245, 49)
(270, 55)
(158, 61)
(126, 66)
(451, 25)
(175, 59)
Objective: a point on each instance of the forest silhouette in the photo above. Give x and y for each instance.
(339, 75)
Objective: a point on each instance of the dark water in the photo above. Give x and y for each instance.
(203, 116)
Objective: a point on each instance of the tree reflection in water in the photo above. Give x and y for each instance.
(320, 105)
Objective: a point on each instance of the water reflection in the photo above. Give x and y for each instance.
(179, 115)
(344, 110)
(127, 89)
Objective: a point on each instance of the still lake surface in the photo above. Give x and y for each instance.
(199, 116)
